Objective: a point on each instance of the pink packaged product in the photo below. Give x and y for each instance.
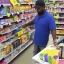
(3, 63)
(5, 1)
(61, 61)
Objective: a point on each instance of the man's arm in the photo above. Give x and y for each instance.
(28, 24)
(52, 27)
(53, 32)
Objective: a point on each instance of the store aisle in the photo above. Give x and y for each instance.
(26, 56)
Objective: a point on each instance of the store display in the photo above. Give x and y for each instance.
(13, 38)
(56, 7)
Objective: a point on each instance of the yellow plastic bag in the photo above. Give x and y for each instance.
(14, 2)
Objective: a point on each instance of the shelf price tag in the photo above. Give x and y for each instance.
(56, 16)
(57, 21)
(8, 14)
(54, 1)
(1, 26)
(55, 11)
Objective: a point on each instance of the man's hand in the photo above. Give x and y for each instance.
(56, 45)
(28, 24)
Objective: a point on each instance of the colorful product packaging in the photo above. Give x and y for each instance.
(3, 63)
(50, 55)
(61, 61)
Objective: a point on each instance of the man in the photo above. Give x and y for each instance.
(44, 23)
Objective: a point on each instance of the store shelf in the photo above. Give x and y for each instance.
(16, 13)
(60, 23)
(60, 28)
(60, 34)
(16, 48)
(56, 7)
(26, 23)
(27, 3)
(8, 38)
(13, 40)
(19, 46)
(47, 3)
(32, 31)
(10, 42)
(5, 5)
(21, 51)
(57, 12)
(14, 22)
(60, 18)
(59, 40)
(1, 58)
(10, 30)
(56, 1)
(10, 23)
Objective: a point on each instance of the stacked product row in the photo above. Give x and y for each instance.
(57, 9)
(13, 38)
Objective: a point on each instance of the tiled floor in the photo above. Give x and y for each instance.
(26, 56)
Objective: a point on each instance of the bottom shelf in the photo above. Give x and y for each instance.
(16, 53)
(60, 34)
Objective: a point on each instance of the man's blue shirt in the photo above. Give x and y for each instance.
(43, 25)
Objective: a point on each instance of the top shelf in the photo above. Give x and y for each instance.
(28, 3)
(56, 6)
(20, 4)
(56, 0)
(5, 5)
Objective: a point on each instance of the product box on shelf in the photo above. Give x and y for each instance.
(16, 43)
(23, 38)
(61, 61)
(21, 32)
(7, 49)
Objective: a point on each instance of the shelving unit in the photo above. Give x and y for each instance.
(56, 7)
(21, 51)
(13, 38)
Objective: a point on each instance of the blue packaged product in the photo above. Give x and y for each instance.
(1, 11)
(2, 22)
